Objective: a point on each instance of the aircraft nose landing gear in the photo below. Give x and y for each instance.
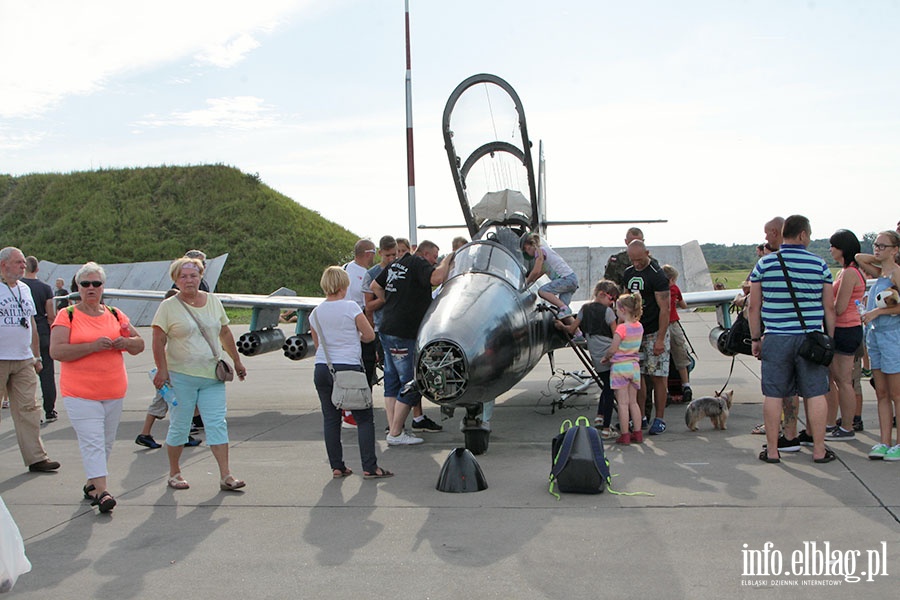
(476, 431)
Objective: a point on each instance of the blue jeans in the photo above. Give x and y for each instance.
(332, 417)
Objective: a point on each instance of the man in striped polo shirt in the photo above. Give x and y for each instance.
(777, 333)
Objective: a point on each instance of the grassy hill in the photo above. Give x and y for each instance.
(156, 213)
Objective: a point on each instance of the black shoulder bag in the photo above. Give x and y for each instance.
(817, 347)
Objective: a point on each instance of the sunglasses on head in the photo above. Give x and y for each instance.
(86, 284)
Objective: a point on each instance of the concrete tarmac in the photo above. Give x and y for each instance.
(720, 523)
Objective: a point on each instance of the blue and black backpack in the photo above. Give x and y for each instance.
(579, 463)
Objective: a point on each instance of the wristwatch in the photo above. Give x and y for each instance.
(37, 359)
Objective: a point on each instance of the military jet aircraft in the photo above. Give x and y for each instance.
(486, 329)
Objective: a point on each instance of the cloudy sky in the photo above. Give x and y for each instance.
(715, 115)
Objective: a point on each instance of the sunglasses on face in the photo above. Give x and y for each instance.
(87, 284)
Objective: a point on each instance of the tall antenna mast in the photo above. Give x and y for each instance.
(410, 166)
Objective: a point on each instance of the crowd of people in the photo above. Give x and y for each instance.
(372, 313)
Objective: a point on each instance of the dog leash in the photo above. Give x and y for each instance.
(727, 379)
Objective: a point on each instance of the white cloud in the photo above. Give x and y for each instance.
(239, 112)
(66, 48)
(228, 54)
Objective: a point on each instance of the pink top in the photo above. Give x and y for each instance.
(850, 317)
(99, 375)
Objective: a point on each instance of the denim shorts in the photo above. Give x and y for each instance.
(564, 287)
(785, 373)
(884, 349)
(399, 367)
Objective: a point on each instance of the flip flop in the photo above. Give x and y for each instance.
(338, 473)
(764, 456)
(378, 474)
(759, 429)
(829, 456)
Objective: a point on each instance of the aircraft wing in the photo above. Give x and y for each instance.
(710, 297)
(265, 335)
(282, 302)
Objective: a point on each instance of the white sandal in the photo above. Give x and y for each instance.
(235, 484)
(177, 482)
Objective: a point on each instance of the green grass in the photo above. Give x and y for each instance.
(238, 316)
(730, 279)
(157, 213)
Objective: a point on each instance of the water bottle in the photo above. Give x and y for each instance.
(166, 391)
(860, 308)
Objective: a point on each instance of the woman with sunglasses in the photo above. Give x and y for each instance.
(882, 333)
(88, 339)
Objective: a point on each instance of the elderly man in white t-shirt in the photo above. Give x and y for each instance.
(20, 359)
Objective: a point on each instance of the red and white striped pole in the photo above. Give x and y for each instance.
(410, 166)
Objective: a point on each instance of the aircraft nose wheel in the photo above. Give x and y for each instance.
(477, 433)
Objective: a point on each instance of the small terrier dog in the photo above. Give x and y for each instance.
(714, 407)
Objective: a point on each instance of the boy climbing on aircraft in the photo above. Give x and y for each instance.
(563, 281)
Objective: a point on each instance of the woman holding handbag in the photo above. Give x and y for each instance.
(338, 326)
(184, 328)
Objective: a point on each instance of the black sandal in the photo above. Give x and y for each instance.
(87, 491)
(105, 502)
(378, 474)
(829, 456)
(764, 456)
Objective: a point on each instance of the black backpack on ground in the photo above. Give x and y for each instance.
(579, 463)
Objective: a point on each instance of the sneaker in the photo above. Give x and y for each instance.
(687, 394)
(608, 434)
(839, 434)
(624, 439)
(786, 445)
(404, 439)
(644, 423)
(51, 416)
(637, 437)
(147, 441)
(564, 312)
(878, 451)
(5, 403)
(193, 431)
(426, 424)
(658, 427)
(866, 373)
(197, 422)
(348, 422)
(192, 441)
(830, 428)
(857, 424)
(598, 422)
(804, 438)
(893, 454)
